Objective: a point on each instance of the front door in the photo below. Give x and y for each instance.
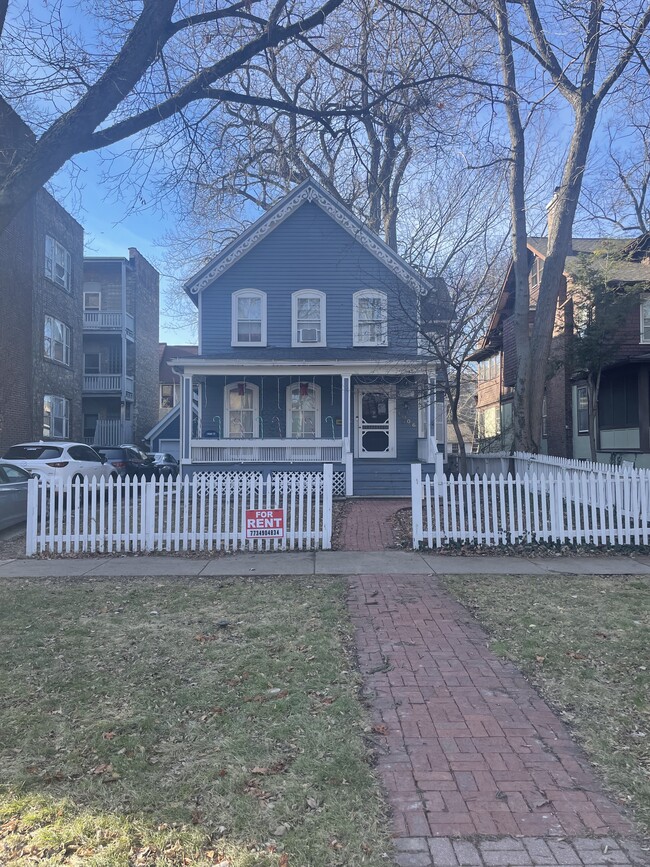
(375, 421)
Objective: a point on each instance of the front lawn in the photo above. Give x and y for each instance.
(585, 644)
(168, 722)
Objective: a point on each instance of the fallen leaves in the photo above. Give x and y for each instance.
(380, 729)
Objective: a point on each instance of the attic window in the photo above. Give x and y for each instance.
(369, 318)
(308, 318)
(249, 318)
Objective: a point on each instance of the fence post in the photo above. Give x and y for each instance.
(149, 505)
(416, 504)
(32, 517)
(328, 482)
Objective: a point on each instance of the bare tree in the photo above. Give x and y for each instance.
(599, 44)
(171, 60)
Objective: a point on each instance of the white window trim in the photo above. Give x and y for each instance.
(231, 386)
(50, 263)
(645, 305)
(317, 419)
(66, 343)
(99, 301)
(308, 293)
(369, 293)
(243, 293)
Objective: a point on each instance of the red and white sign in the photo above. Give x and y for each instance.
(264, 523)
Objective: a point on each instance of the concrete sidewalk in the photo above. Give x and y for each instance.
(321, 563)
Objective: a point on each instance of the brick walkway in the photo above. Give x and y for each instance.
(367, 524)
(467, 748)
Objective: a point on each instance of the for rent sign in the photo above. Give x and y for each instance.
(264, 523)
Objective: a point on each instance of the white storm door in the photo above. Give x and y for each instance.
(375, 421)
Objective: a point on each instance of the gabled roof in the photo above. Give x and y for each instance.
(626, 266)
(160, 425)
(308, 191)
(167, 352)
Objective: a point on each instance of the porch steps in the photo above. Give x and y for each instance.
(377, 478)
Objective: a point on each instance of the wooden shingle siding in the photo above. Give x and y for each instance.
(309, 250)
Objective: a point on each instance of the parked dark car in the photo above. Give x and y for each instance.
(13, 495)
(166, 465)
(129, 461)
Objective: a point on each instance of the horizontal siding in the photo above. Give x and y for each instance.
(309, 250)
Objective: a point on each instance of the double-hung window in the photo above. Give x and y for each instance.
(582, 409)
(56, 340)
(249, 318)
(56, 416)
(645, 320)
(241, 411)
(370, 318)
(303, 410)
(308, 318)
(58, 264)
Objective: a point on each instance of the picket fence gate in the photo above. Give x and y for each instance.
(203, 512)
(595, 508)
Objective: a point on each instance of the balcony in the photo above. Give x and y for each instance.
(108, 383)
(208, 451)
(109, 321)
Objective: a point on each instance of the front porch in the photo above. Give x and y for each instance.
(371, 426)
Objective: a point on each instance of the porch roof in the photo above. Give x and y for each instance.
(284, 366)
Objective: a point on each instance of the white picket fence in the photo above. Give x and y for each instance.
(205, 512)
(596, 508)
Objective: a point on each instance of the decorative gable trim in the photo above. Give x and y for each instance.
(307, 192)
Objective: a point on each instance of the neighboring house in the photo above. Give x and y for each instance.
(120, 349)
(169, 380)
(308, 353)
(624, 400)
(41, 254)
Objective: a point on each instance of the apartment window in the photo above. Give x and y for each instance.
(369, 318)
(92, 300)
(308, 318)
(489, 369)
(92, 362)
(58, 264)
(166, 396)
(618, 400)
(241, 410)
(645, 320)
(489, 422)
(544, 418)
(249, 318)
(303, 410)
(582, 398)
(56, 416)
(56, 340)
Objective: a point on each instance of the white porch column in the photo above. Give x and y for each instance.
(186, 419)
(432, 433)
(346, 390)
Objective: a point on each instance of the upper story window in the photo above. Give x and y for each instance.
(645, 320)
(370, 318)
(56, 340)
(241, 411)
(58, 264)
(92, 300)
(534, 279)
(249, 318)
(303, 410)
(56, 416)
(308, 318)
(167, 395)
(489, 368)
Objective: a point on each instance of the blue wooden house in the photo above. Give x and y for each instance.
(309, 353)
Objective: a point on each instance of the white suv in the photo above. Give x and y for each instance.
(55, 460)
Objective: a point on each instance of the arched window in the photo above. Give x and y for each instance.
(249, 318)
(370, 318)
(303, 410)
(241, 411)
(308, 318)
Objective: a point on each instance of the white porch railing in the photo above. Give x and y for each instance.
(207, 451)
(104, 382)
(105, 320)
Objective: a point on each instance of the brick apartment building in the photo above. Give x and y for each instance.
(120, 349)
(623, 428)
(41, 255)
